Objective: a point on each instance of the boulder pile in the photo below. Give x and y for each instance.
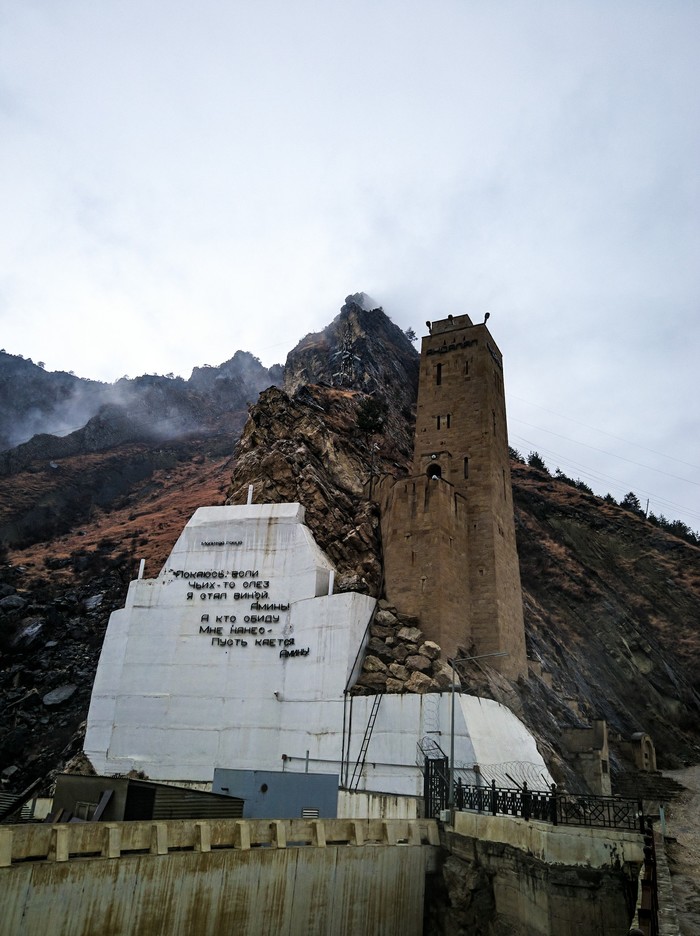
(399, 659)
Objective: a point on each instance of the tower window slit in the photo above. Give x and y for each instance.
(466, 467)
(438, 374)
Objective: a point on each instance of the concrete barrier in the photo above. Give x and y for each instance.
(566, 845)
(543, 880)
(343, 877)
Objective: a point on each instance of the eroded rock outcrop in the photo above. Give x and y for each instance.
(288, 452)
(305, 443)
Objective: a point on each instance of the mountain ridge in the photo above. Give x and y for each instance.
(53, 414)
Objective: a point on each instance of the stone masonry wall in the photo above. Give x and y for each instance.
(399, 659)
(425, 541)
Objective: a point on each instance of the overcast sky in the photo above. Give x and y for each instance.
(181, 180)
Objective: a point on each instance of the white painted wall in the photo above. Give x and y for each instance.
(169, 700)
(484, 730)
(363, 805)
(175, 701)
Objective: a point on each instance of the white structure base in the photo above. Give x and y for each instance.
(237, 657)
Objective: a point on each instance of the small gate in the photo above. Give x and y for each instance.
(436, 785)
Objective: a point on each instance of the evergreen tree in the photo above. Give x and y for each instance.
(535, 460)
(631, 502)
(371, 415)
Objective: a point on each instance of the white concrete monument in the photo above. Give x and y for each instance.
(239, 656)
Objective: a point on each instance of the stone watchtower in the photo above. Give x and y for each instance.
(448, 531)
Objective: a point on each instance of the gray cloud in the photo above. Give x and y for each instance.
(179, 180)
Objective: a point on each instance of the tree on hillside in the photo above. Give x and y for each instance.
(371, 414)
(631, 502)
(681, 530)
(410, 334)
(535, 460)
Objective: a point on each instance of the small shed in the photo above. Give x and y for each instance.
(113, 799)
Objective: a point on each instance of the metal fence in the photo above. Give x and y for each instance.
(606, 812)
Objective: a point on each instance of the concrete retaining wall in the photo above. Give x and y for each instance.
(248, 878)
(533, 879)
(358, 804)
(565, 845)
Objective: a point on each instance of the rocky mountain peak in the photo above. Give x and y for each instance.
(361, 349)
(243, 372)
(308, 442)
(52, 415)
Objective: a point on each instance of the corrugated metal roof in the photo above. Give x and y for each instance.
(180, 803)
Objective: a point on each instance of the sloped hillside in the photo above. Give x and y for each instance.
(56, 597)
(612, 609)
(77, 514)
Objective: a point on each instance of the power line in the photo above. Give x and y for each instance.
(610, 454)
(604, 432)
(599, 477)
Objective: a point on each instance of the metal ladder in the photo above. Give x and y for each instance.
(362, 756)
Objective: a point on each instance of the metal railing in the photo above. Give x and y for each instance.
(605, 812)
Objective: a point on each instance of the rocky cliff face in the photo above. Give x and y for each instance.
(612, 604)
(364, 352)
(307, 443)
(289, 452)
(34, 400)
(612, 607)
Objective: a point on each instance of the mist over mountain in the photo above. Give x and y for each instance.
(33, 400)
(612, 602)
(89, 416)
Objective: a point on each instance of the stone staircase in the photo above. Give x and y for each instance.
(651, 787)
